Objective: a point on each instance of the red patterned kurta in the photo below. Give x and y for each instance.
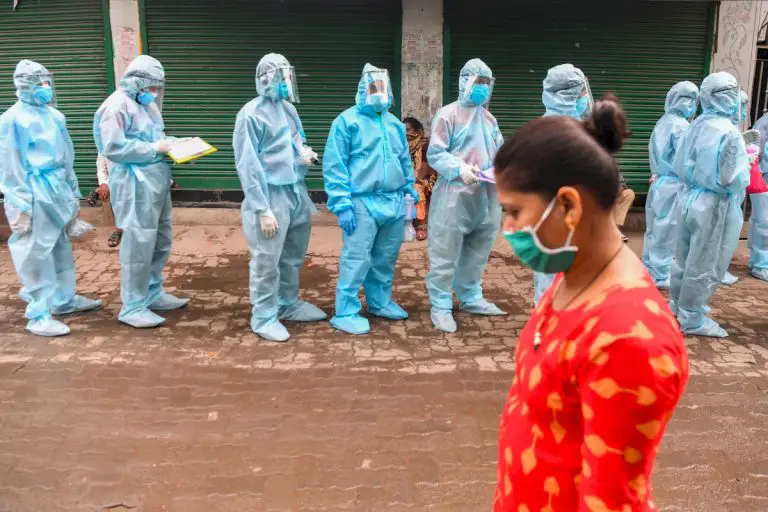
(588, 408)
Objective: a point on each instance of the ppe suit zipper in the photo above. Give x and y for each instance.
(385, 147)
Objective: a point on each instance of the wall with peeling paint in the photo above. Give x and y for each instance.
(126, 33)
(422, 59)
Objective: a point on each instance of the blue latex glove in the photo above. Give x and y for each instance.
(347, 221)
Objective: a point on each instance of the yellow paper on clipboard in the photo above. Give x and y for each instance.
(190, 149)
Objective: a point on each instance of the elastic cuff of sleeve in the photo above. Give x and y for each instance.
(340, 209)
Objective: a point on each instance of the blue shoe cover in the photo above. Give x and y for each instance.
(760, 273)
(391, 312)
(709, 328)
(47, 326)
(142, 319)
(481, 307)
(443, 320)
(301, 311)
(168, 302)
(271, 330)
(730, 279)
(77, 305)
(354, 324)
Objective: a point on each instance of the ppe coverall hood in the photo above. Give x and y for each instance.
(362, 99)
(28, 75)
(473, 68)
(144, 71)
(272, 70)
(720, 94)
(562, 88)
(679, 99)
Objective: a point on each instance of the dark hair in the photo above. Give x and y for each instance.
(415, 123)
(557, 151)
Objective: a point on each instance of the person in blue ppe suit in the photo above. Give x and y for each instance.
(758, 222)
(367, 172)
(662, 207)
(129, 131)
(712, 162)
(740, 120)
(272, 160)
(566, 93)
(464, 141)
(42, 198)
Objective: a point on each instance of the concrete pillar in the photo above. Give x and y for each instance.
(738, 24)
(126, 33)
(422, 59)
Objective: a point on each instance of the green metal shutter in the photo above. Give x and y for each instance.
(67, 37)
(637, 49)
(210, 51)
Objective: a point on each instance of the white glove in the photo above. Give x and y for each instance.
(21, 222)
(162, 146)
(308, 156)
(268, 223)
(79, 228)
(468, 173)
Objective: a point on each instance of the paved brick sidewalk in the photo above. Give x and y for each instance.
(201, 415)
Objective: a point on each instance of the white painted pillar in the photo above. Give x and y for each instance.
(422, 59)
(738, 24)
(126, 33)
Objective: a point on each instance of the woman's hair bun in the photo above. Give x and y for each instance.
(608, 123)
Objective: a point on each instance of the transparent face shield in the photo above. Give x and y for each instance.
(37, 85)
(743, 114)
(379, 88)
(479, 90)
(586, 92)
(155, 87)
(283, 82)
(692, 104)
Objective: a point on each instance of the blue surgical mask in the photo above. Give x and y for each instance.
(689, 108)
(583, 106)
(479, 94)
(380, 102)
(43, 94)
(283, 91)
(533, 254)
(146, 98)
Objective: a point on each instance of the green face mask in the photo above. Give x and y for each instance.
(529, 249)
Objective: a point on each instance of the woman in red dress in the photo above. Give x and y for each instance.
(601, 364)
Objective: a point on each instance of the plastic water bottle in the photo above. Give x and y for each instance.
(410, 213)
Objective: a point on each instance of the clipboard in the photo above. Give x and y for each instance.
(189, 150)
